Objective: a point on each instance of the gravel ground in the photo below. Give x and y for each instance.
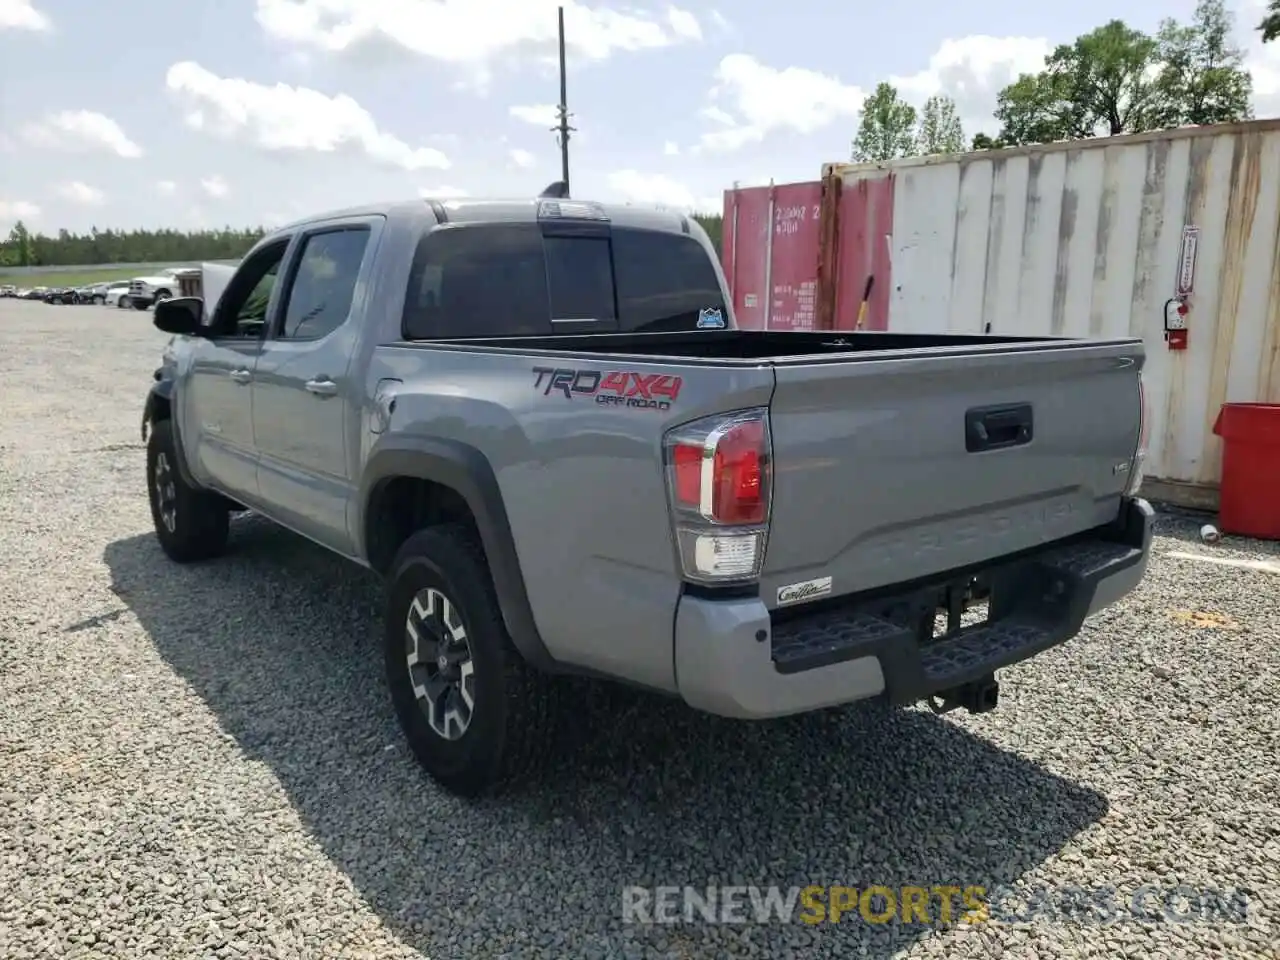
(203, 762)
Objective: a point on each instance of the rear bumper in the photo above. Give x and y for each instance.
(733, 660)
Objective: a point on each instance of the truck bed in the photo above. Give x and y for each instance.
(894, 456)
(752, 346)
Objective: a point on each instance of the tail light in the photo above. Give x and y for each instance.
(719, 479)
(1140, 454)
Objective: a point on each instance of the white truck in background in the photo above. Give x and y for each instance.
(146, 291)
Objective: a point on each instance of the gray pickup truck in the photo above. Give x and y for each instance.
(537, 421)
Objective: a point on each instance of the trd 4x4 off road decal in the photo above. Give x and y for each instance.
(623, 388)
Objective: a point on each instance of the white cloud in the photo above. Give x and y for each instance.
(671, 149)
(523, 158)
(541, 114)
(752, 100)
(17, 210)
(81, 193)
(471, 33)
(972, 71)
(81, 130)
(684, 25)
(215, 186)
(281, 118)
(642, 188)
(22, 15)
(166, 188)
(443, 193)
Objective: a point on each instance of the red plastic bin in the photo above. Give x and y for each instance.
(1249, 496)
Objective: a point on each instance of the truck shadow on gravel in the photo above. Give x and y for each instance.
(281, 640)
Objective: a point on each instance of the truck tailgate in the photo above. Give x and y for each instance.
(891, 468)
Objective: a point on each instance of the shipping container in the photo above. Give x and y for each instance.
(774, 241)
(1088, 238)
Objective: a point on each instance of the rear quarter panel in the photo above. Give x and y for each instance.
(582, 482)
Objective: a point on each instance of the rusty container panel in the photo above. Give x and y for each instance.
(746, 252)
(770, 254)
(864, 253)
(793, 270)
(1095, 239)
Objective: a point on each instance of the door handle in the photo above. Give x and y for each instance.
(995, 428)
(322, 388)
(241, 376)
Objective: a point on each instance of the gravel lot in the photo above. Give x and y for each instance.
(203, 762)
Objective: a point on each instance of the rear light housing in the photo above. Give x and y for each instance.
(720, 486)
(1144, 430)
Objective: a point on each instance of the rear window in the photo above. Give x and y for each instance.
(664, 280)
(496, 280)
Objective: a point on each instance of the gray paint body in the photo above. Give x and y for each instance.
(872, 483)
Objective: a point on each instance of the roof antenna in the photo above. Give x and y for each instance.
(562, 111)
(558, 190)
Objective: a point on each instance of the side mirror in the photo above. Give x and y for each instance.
(181, 315)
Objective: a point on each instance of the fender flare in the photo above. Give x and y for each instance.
(466, 470)
(161, 396)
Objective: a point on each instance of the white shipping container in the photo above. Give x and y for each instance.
(1092, 239)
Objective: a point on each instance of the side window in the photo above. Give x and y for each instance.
(319, 297)
(487, 280)
(664, 280)
(242, 309)
(580, 275)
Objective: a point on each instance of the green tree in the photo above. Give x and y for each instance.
(940, 130)
(713, 223)
(1270, 25)
(121, 246)
(1103, 83)
(887, 128)
(18, 248)
(982, 141)
(1202, 78)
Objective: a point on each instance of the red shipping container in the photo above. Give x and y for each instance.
(866, 235)
(773, 245)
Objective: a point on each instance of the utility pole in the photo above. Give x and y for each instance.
(563, 127)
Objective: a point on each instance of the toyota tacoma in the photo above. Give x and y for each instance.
(537, 421)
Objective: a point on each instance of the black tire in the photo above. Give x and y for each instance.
(122, 303)
(513, 724)
(162, 295)
(138, 304)
(190, 524)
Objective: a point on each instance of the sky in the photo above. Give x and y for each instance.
(204, 113)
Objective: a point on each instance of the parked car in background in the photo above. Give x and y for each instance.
(8, 290)
(117, 295)
(60, 295)
(92, 293)
(35, 293)
(144, 291)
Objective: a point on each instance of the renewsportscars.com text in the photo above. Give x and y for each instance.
(934, 904)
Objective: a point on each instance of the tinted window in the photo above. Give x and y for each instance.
(324, 283)
(478, 281)
(242, 308)
(664, 280)
(580, 275)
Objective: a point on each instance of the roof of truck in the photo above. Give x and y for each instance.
(518, 210)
